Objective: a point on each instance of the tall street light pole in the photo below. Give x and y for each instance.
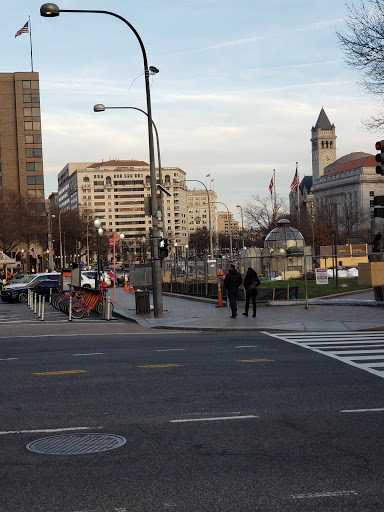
(99, 231)
(52, 10)
(242, 224)
(209, 213)
(101, 108)
(229, 227)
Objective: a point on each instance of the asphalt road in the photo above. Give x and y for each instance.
(212, 422)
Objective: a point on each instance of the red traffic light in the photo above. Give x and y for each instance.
(380, 145)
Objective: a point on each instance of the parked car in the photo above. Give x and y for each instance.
(17, 278)
(33, 277)
(20, 294)
(88, 279)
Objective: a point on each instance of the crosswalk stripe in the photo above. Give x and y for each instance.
(361, 350)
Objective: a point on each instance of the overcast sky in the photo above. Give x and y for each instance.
(241, 83)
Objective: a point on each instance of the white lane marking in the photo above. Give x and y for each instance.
(157, 333)
(9, 359)
(338, 352)
(90, 354)
(46, 430)
(215, 419)
(169, 349)
(329, 494)
(246, 346)
(362, 410)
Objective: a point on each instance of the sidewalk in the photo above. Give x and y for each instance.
(346, 312)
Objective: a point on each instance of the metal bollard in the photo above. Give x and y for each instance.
(39, 309)
(108, 313)
(50, 296)
(35, 303)
(42, 310)
(70, 309)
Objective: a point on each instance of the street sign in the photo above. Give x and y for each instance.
(321, 275)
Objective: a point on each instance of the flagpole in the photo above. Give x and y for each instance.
(30, 41)
(298, 193)
(274, 192)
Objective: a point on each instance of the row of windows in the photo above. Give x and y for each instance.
(36, 207)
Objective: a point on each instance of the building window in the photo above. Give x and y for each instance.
(32, 125)
(35, 166)
(30, 84)
(32, 139)
(35, 180)
(31, 111)
(371, 193)
(33, 152)
(39, 194)
(36, 207)
(31, 98)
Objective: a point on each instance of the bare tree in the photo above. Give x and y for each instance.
(363, 47)
(263, 214)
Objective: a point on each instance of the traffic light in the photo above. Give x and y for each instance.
(380, 157)
(378, 203)
(163, 248)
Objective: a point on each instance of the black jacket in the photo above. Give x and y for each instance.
(233, 280)
(251, 277)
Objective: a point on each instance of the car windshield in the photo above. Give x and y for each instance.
(27, 279)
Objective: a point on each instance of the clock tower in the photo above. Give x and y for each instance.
(323, 145)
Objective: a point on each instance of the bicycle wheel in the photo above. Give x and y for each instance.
(77, 313)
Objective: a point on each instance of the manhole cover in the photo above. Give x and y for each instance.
(76, 444)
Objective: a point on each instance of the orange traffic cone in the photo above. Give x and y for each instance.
(219, 294)
(131, 289)
(125, 286)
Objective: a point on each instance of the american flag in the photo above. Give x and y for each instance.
(31, 252)
(23, 30)
(207, 175)
(271, 186)
(17, 252)
(295, 181)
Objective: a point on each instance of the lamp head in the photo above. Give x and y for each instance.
(153, 70)
(49, 10)
(99, 108)
(97, 223)
(122, 236)
(100, 231)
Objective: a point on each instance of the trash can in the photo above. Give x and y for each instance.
(142, 301)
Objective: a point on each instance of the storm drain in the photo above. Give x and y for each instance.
(76, 444)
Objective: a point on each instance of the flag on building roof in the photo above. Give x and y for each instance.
(271, 186)
(207, 175)
(23, 30)
(17, 252)
(295, 181)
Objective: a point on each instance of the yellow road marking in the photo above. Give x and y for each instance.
(61, 372)
(255, 360)
(159, 365)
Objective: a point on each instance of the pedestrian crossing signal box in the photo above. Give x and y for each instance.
(380, 157)
(163, 248)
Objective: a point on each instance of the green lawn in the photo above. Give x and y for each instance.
(317, 290)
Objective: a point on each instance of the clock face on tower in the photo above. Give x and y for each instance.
(327, 158)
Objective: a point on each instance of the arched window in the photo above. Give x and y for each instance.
(322, 144)
(108, 180)
(330, 144)
(326, 144)
(86, 179)
(167, 179)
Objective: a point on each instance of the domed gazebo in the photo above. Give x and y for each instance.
(288, 249)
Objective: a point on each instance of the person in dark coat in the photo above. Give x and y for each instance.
(251, 282)
(232, 282)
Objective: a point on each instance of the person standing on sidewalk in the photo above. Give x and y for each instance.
(251, 282)
(232, 282)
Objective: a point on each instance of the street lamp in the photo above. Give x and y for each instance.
(229, 227)
(242, 224)
(101, 108)
(100, 232)
(52, 10)
(209, 213)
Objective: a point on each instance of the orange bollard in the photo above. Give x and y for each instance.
(219, 294)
